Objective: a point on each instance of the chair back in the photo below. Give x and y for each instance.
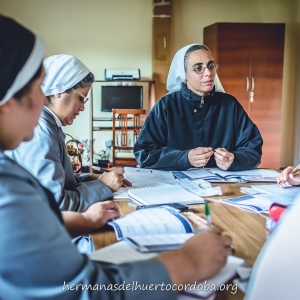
(127, 123)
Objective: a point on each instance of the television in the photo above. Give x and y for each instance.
(121, 97)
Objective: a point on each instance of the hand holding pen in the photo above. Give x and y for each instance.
(223, 158)
(209, 222)
(114, 179)
(207, 214)
(289, 176)
(199, 157)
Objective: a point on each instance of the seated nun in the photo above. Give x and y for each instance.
(66, 86)
(197, 124)
(37, 259)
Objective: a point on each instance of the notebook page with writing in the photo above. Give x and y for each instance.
(163, 195)
(205, 289)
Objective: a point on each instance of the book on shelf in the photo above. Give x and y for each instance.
(163, 195)
(218, 175)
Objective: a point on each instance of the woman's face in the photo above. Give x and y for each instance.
(20, 116)
(68, 106)
(200, 84)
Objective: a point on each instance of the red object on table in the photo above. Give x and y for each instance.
(275, 211)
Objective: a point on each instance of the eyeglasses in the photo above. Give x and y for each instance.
(85, 99)
(198, 69)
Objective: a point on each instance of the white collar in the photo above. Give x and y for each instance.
(57, 120)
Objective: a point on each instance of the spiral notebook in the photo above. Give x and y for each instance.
(163, 195)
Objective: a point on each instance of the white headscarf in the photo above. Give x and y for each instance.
(21, 55)
(177, 72)
(62, 73)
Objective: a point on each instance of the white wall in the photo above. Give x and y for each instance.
(101, 33)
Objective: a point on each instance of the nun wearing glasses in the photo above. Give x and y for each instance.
(197, 124)
(66, 85)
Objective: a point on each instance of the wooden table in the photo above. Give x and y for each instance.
(248, 231)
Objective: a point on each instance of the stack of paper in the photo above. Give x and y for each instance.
(251, 203)
(163, 195)
(144, 178)
(218, 175)
(260, 197)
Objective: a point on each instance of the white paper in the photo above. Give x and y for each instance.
(218, 175)
(225, 274)
(201, 192)
(199, 173)
(145, 176)
(163, 195)
(249, 202)
(274, 193)
(119, 253)
(151, 221)
(249, 191)
(162, 239)
(244, 272)
(202, 183)
(122, 193)
(254, 172)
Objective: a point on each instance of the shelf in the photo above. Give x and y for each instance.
(93, 128)
(126, 80)
(110, 128)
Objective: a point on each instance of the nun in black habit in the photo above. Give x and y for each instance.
(197, 124)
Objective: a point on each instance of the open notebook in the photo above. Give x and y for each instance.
(261, 197)
(163, 195)
(218, 175)
(122, 252)
(153, 229)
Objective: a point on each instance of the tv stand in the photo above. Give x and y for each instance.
(147, 104)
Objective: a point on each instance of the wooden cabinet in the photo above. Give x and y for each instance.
(161, 54)
(250, 56)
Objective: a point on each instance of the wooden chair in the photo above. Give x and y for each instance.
(120, 158)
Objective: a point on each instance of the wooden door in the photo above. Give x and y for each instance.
(267, 48)
(251, 57)
(230, 46)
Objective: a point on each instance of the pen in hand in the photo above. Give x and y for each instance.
(207, 215)
(295, 170)
(209, 222)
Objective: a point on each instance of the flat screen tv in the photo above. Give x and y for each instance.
(121, 97)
